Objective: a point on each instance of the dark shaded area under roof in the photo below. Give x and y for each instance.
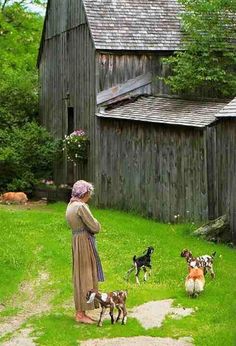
(165, 110)
(134, 24)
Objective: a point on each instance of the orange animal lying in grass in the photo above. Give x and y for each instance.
(14, 197)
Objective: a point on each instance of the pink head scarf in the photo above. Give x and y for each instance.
(80, 188)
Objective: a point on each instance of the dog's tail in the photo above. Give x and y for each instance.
(134, 258)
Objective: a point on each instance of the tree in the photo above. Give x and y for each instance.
(26, 149)
(25, 3)
(20, 32)
(207, 58)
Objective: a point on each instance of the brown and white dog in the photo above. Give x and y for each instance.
(205, 262)
(14, 197)
(195, 281)
(109, 300)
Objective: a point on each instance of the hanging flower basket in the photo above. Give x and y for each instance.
(76, 146)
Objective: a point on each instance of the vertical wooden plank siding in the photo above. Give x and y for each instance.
(155, 170)
(67, 79)
(116, 68)
(221, 159)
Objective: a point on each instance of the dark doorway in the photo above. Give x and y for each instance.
(71, 120)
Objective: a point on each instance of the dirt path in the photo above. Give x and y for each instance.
(22, 338)
(139, 341)
(30, 303)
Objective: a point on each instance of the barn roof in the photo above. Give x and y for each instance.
(165, 110)
(134, 24)
(229, 110)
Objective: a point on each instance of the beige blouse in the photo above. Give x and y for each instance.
(79, 217)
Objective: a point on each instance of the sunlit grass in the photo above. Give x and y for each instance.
(39, 240)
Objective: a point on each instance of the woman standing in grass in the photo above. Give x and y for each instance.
(87, 269)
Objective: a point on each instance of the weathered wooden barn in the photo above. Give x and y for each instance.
(99, 64)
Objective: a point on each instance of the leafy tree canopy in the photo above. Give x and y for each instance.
(207, 59)
(20, 32)
(27, 150)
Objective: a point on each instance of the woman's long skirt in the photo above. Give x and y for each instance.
(86, 269)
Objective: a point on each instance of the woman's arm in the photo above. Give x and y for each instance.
(88, 219)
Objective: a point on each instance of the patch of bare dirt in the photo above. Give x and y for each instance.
(31, 204)
(30, 303)
(152, 314)
(139, 341)
(22, 338)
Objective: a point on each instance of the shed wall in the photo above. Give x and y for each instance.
(221, 171)
(159, 171)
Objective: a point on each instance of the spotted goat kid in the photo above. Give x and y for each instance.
(109, 300)
(205, 262)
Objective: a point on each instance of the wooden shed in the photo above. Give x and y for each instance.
(154, 157)
(99, 64)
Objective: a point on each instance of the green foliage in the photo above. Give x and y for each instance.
(26, 155)
(44, 233)
(26, 149)
(20, 32)
(208, 57)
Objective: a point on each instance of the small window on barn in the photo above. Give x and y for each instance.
(70, 114)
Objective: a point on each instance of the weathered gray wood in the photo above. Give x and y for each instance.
(67, 78)
(221, 167)
(115, 68)
(122, 89)
(216, 230)
(150, 170)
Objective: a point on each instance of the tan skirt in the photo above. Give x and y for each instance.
(85, 275)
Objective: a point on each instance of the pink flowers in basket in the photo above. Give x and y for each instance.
(76, 146)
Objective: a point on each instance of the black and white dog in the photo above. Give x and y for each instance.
(142, 262)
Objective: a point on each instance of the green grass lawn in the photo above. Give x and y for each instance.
(38, 240)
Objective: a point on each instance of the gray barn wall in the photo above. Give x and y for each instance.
(117, 67)
(67, 79)
(222, 171)
(159, 171)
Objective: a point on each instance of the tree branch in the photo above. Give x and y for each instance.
(4, 4)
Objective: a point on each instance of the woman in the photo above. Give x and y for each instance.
(87, 269)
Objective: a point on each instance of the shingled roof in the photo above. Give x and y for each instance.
(229, 110)
(134, 24)
(167, 111)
